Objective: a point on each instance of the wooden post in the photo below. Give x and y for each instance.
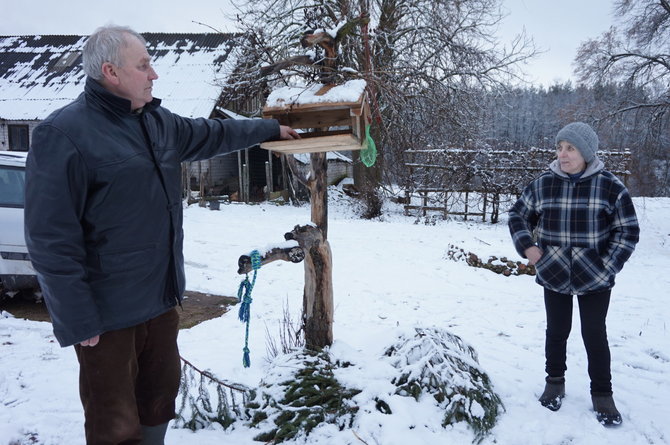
(318, 189)
(247, 177)
(240, 177)
(245, 183)
(496, 208)
(317, 300)
(284, 174)
(270, 176)
(185, 186)
(268, 180)
(425, 202)
(318, 307)
(318, 293)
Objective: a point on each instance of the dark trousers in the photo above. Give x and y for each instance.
(130, 378)
(592, 313)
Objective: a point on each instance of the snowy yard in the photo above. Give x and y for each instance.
(389, 277)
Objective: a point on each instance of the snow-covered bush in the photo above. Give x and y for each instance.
(301, 392)
(437, 363)
(309, 395)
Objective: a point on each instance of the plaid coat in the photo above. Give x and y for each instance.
(587, 229)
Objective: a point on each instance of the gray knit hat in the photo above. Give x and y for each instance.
(582, 136)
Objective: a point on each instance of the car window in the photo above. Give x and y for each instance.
(12, 185)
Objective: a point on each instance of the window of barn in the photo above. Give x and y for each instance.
(18, 137)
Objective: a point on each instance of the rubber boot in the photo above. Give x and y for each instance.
(154, 435)
(554, 391)
(606, 411)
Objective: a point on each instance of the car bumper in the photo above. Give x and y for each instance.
(19, 282)
(16, 271)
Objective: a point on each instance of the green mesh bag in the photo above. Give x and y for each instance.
(369, 150)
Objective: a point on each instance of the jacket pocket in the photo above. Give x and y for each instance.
(125, 260)
(588, 271)
(553, 269)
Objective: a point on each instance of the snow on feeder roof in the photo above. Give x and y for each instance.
(332, 117)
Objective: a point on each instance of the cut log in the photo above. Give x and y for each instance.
(318, 191)
(318, 294)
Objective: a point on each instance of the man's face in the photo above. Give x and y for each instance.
(569, 158)
(134, 77)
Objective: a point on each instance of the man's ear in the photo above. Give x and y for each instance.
(109, 73)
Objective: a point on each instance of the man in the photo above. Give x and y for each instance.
(103, 220)
(576, 223)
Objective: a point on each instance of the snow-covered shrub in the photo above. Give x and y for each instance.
(301, 391)
(439, 364)
(298, 395)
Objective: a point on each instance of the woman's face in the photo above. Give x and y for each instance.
(569, 158)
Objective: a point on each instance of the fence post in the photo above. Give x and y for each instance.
(247, 179)
(465, 217)
(495, 212)
(268, 180)
(245, 183)
(240, 176)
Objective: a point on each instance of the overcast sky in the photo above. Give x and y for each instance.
(557, 26)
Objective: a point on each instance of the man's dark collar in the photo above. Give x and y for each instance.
(111, 101)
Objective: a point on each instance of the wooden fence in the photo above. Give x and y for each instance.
(478, 183)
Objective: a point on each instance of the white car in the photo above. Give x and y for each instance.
(16, 271)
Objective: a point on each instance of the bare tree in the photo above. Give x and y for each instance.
(635, 55)
(424, 61)
(635, 52)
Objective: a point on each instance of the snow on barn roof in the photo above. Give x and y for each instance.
(39, 74)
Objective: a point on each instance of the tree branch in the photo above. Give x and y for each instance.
(295, 170)
(293, 254)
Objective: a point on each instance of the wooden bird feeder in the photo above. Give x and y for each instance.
(337, 125)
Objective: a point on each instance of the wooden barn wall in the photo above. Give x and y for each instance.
(4, 132)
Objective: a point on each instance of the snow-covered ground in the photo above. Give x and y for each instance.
(389, 277)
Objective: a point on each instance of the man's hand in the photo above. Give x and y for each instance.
(91, 341)
(533, 254)
(286, 132)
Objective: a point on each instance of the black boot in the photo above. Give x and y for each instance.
(154, 435)
(606, 411)
(554, 391)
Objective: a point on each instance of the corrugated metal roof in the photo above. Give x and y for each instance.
(39, 74)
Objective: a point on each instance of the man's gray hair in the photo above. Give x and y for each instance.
(103, 46)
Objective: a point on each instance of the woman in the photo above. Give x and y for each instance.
(576, 223)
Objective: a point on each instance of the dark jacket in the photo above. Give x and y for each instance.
(103, 212)
(587, 229)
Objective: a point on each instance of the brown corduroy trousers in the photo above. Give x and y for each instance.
(130, 378)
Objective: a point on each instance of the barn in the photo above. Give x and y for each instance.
(41, 73)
